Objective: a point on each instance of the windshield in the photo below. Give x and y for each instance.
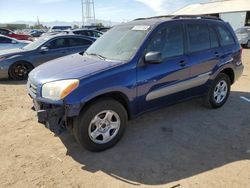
(120, 43)
(243, 30)
(34, 45)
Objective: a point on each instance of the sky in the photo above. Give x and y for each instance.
(70, 10)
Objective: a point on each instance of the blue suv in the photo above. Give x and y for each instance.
(134, 68)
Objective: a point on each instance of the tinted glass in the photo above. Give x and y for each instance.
(57, 43)
(198, 36)
(168, 41)
(96, 34)
(213, 38)
(5, 40)
(4, 32)
(225, 36)
(79, 42)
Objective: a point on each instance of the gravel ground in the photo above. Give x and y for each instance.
(185, 145)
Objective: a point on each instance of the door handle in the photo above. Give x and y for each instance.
(182, 63)
(217, 54)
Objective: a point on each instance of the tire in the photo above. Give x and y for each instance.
(20, 70)
(93, 127)
(219, 92)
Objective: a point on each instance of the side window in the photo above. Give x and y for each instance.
(96, 34)
(213, 38)
(79, 42)
(168, 41)
(4, 32)
(57, 43)
(225, 36)
(5, 40)
(198, 36)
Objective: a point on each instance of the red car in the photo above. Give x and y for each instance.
(11, 34)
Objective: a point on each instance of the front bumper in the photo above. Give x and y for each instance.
(53, 117)
(4, 71)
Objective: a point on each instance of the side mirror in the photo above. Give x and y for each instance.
(44, 49)
(153, 57)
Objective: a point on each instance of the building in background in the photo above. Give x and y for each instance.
(236, 12)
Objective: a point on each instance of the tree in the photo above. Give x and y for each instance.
(76, 27)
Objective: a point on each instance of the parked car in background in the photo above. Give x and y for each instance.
(136, 67)
(243, 35)
(12, 34)
(87, 32)
(17, 63)
(36, 33)
(103, 29)
(56, 28)
(9, 43)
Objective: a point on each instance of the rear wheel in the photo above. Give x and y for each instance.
(219, 92)
(101, 125)
(20, 70)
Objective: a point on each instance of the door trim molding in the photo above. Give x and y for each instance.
(175, 88)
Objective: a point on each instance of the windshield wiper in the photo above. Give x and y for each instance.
(97, 55)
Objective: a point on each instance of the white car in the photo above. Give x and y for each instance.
(9, 43)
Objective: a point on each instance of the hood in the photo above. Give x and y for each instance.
(73, 66)
(10, 52)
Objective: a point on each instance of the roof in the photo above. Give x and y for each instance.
(215, 7)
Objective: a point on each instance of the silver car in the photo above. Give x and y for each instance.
(243, 35)
(9, 43)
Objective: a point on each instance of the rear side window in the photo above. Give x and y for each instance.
(213, 38)
(79, 42)
(168, 41)
(198, 36)
(226, 37)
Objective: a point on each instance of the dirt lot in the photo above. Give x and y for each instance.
(185, 145)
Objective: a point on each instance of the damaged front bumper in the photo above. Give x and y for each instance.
(56, 115)
(52, 116)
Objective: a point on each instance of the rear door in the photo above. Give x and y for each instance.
(203, 51)
(229, 49)
(78, 44)
(158, 83)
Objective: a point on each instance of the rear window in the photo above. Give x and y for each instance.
(226, 37)
(198, 36)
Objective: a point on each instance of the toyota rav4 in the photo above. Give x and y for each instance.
(136, 67)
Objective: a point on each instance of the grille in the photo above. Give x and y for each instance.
(32, 88)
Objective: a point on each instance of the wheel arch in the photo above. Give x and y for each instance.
(230, 73)
(116, 95)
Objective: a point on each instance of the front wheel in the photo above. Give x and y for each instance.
(219, 92)
(101, 125)
(20, 70)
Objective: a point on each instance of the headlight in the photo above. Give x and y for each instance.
(59, 89)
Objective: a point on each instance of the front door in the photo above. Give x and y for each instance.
(160, 84)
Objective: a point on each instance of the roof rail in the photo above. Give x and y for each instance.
(197, 17)
(164, 16)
